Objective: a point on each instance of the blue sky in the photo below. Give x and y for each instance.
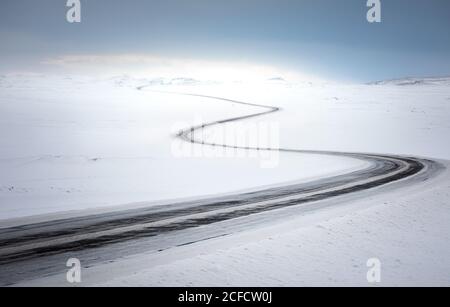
(327, 38)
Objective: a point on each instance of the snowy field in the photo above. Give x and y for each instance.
(72, 146)
(408, 231)
(86, 144)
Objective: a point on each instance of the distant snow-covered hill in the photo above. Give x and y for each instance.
(414, 81)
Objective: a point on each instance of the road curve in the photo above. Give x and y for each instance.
(25, 246)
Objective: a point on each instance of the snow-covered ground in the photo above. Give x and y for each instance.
(71, 144)
(407, 231)
(77, 143)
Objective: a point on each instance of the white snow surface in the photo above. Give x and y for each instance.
(74, 143)
(407, 230)
(99, 144)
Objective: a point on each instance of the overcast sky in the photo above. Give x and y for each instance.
(329, 38)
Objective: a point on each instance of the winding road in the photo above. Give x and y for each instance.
(36, 250)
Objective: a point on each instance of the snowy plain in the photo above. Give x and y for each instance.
(408, 231)
(74, 143)
(89, 144)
